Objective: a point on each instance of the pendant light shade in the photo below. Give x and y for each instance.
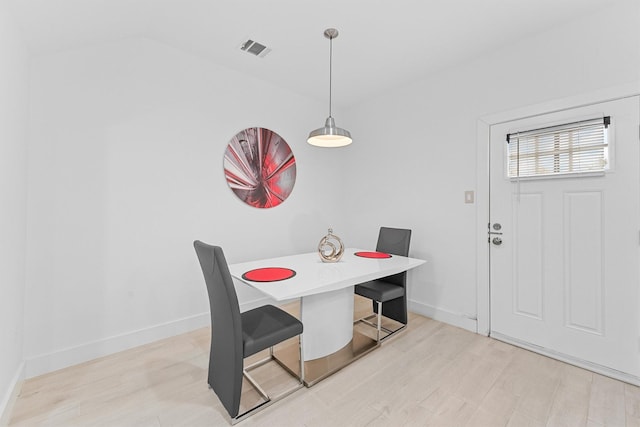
(330, 135)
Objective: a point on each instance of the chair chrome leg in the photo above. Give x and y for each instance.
(301, 359)
(269, 400)
(255, 385)
(250, 412)
(259, 363)
(379, 319)
(377, 325)
(391, 333)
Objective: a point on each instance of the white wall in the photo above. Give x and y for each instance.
(126, 149)
(13, 190)
(419, 144)
(125, 171)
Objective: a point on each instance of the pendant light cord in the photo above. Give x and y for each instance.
(330, 70)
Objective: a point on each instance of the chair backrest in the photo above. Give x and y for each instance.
(395, 241)
(226, 354)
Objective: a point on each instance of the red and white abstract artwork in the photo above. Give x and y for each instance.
(260, 167)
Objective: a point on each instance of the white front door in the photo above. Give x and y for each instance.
(565, 278)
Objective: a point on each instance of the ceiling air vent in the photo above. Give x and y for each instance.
(255, 48)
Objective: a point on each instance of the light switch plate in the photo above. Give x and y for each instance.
(469, 196)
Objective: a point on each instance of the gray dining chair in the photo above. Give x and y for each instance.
(235, 335)
(390, 290)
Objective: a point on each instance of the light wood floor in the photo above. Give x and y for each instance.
(432, 374)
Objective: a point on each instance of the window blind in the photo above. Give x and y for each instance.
(578, 147)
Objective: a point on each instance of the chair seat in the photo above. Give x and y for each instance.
(266, 326)
(379, 290)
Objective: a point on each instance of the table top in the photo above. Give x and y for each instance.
(314, 276)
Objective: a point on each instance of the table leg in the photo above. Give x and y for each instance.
(328, 322)
(329, 340)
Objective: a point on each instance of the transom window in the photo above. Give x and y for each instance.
(572, 148)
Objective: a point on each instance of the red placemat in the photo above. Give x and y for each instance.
(269, 274)
(372, 255)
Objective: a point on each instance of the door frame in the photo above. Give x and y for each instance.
(483, 137)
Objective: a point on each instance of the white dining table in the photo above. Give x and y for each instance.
(325, 291)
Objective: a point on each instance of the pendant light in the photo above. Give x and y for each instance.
(330, 135)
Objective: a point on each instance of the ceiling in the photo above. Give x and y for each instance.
(381, 43)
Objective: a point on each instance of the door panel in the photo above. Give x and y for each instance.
(528, 256)
(566, 275)
(583, 254)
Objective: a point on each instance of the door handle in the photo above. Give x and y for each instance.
(496, 231)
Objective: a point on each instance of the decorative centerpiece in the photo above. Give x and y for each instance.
(330, 248)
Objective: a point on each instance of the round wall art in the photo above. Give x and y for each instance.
(260, 167)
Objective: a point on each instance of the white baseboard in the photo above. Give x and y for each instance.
(11, 394)
(53, 361)
(60, 359)
(618, 375)
(442, 315)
